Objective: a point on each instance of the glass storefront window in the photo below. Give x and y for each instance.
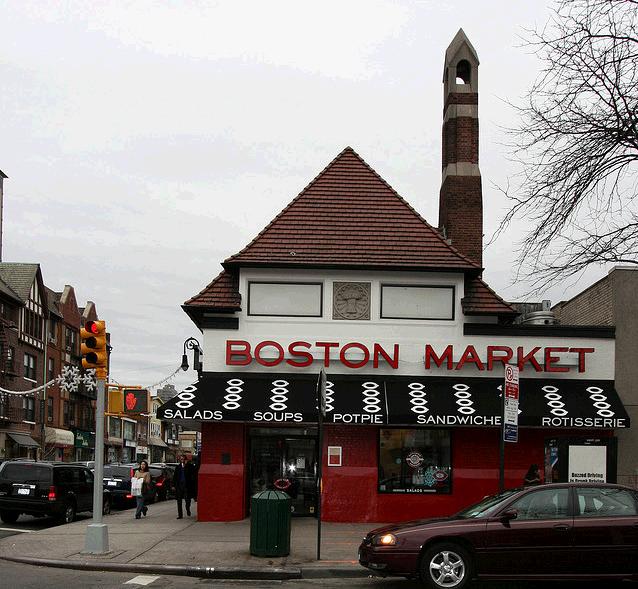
(415, 461)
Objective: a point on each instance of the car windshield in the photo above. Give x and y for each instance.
(486, 506)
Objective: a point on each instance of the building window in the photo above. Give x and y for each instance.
(28, 405)
(285, 299)
(32, 324)
(415, 461)
(53, 328)
(115, 427)
(50, 369)
(129, 430)
(29, 367)
(69, 339)
(50, 409)
(65, 412)
(4, 405)
(409, 301)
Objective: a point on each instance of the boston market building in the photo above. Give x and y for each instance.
(349, 278)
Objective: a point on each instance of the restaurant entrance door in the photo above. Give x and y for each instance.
(285, 459)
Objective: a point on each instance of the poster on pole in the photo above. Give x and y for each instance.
(510, 405)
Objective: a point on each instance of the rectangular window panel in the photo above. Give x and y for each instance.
(28, 405)
(29, 366)
(417, 302)
(285, 299)
(115, 427)
(415, 461)
(129, 430)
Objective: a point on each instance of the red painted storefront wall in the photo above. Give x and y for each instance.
(350, 491)
(221, 493)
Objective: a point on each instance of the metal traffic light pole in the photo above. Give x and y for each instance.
(97, 532)
(95, 355)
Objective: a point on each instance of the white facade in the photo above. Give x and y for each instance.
(410, 335)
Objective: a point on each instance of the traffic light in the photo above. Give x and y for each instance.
(135, 401)
(93, 346)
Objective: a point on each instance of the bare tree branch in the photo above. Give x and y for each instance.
(577, 143)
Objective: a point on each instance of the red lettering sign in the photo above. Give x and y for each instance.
(300, 355)
(430, 356)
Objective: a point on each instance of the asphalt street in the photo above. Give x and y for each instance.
(21, 576)
(28, 523)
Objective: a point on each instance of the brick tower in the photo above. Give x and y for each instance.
(460, 199)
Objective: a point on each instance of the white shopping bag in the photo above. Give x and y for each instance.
(136, 486)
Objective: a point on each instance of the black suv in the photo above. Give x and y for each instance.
(117, 479)
(55, 489)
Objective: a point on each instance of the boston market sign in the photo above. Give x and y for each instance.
(299, 354)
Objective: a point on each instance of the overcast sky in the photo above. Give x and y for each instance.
(174, 131)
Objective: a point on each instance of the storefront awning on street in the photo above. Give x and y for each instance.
(396, 400)
(59, 437)
(24, 440)
(153, 441)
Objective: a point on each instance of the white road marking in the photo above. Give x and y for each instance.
(15, 530)
(142, 580)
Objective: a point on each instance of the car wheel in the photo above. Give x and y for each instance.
(446, 566)
(106, 507)
(68, 515)
(9, 517)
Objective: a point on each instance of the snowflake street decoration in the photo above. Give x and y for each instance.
(71, 379)
(89, 379)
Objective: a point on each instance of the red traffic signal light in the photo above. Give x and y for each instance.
(92, 327)
(93, 346)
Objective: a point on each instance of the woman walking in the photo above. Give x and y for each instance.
(142, 488)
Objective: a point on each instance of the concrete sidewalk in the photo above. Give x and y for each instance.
(161, 543)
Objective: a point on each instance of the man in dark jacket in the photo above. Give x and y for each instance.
(184, 483)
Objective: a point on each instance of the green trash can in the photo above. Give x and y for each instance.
(270, 524)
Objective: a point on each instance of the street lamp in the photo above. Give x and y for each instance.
(192, 344)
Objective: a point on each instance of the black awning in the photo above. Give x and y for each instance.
(396, 400)
(23, 440)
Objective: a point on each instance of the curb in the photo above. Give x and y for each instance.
(336, 572)
(247, 573)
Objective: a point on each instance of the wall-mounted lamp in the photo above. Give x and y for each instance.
(192, 344)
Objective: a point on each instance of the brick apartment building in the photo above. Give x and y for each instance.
(611, 302)
(39, 336)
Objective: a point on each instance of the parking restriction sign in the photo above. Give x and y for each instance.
(510, 414)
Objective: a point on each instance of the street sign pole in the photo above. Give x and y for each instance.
(321, 413)
(509, 416)
(97, 533)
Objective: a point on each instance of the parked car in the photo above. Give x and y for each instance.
(117, 479)
(56, 489)
(571, 530)
(88, 463)
(162, 476)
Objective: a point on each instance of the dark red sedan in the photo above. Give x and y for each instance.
(557, 531)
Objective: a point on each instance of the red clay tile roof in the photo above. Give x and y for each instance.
(348, 216)
(480, 299)
(222, 294)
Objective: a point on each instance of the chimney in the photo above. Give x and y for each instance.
(460, 199)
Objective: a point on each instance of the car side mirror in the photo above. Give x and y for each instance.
(509, 514)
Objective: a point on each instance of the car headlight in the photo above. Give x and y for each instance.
(384, 540)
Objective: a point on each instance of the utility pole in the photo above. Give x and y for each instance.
(94, 355)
